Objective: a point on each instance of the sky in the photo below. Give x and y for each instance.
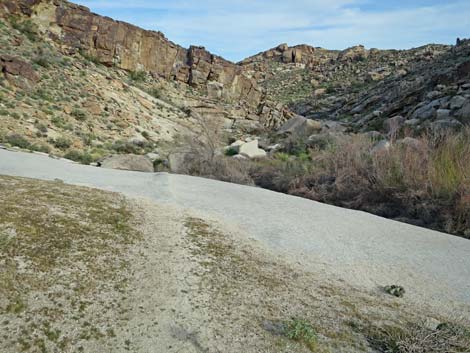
(236, 29)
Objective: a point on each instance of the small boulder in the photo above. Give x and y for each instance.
(128, 162)
(442, 114)
(457, 102)
(410, 142)
(381, 147)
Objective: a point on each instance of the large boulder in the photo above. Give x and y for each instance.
(444, 125)
(251, 150)
(128, 162)
(11, 66)
(299, 125)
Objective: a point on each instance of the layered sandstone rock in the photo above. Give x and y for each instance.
(115, 43)
(12, 67)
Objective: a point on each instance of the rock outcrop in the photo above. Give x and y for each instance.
(113, 43)
(11, 66)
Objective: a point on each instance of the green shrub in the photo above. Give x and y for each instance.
(61, 143)
(155, 92)
(121, 146)
(43, 60)
(301, 331)
(41, 148)
(79, 114)
(231, 152)
(137, 76)
(77, 156)
(25, 27)
(43, 94)
(58, 121)
(41, 127)
(18, 141)
(90, 58)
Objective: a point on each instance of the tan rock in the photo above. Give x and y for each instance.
(128, 162)
(92, 107)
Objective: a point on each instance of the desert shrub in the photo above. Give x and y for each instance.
(41, 147)
(79, 114)
(278, 175)
(122, 146)
(61, 142)
(137, 76)
(43, 60)
(219, 167)
(425, 181)
(41, 127)
(78, 156)
(42, 94)
(419, 338)
(155, 92)
(25, 27)
(17, 140)
(88, 57)
(58, 121)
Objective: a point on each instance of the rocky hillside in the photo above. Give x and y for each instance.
(74, 29)
(422, 87)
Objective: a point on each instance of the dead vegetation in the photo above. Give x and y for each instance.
(423, 181)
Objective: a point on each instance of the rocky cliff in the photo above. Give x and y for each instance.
(113, 43)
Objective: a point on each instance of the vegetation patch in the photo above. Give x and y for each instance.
(419, 338)
(301, 331)
(63, 269)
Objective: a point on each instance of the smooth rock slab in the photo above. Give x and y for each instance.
(128, 162)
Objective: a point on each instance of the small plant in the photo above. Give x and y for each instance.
(137, 76)
(79, 114)
(397, 291)
(58, 121)
(41, 127)
(155, 92)
(89, 57)
(43, 61)
(301, 331)
(16, 307)
(231, 152)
